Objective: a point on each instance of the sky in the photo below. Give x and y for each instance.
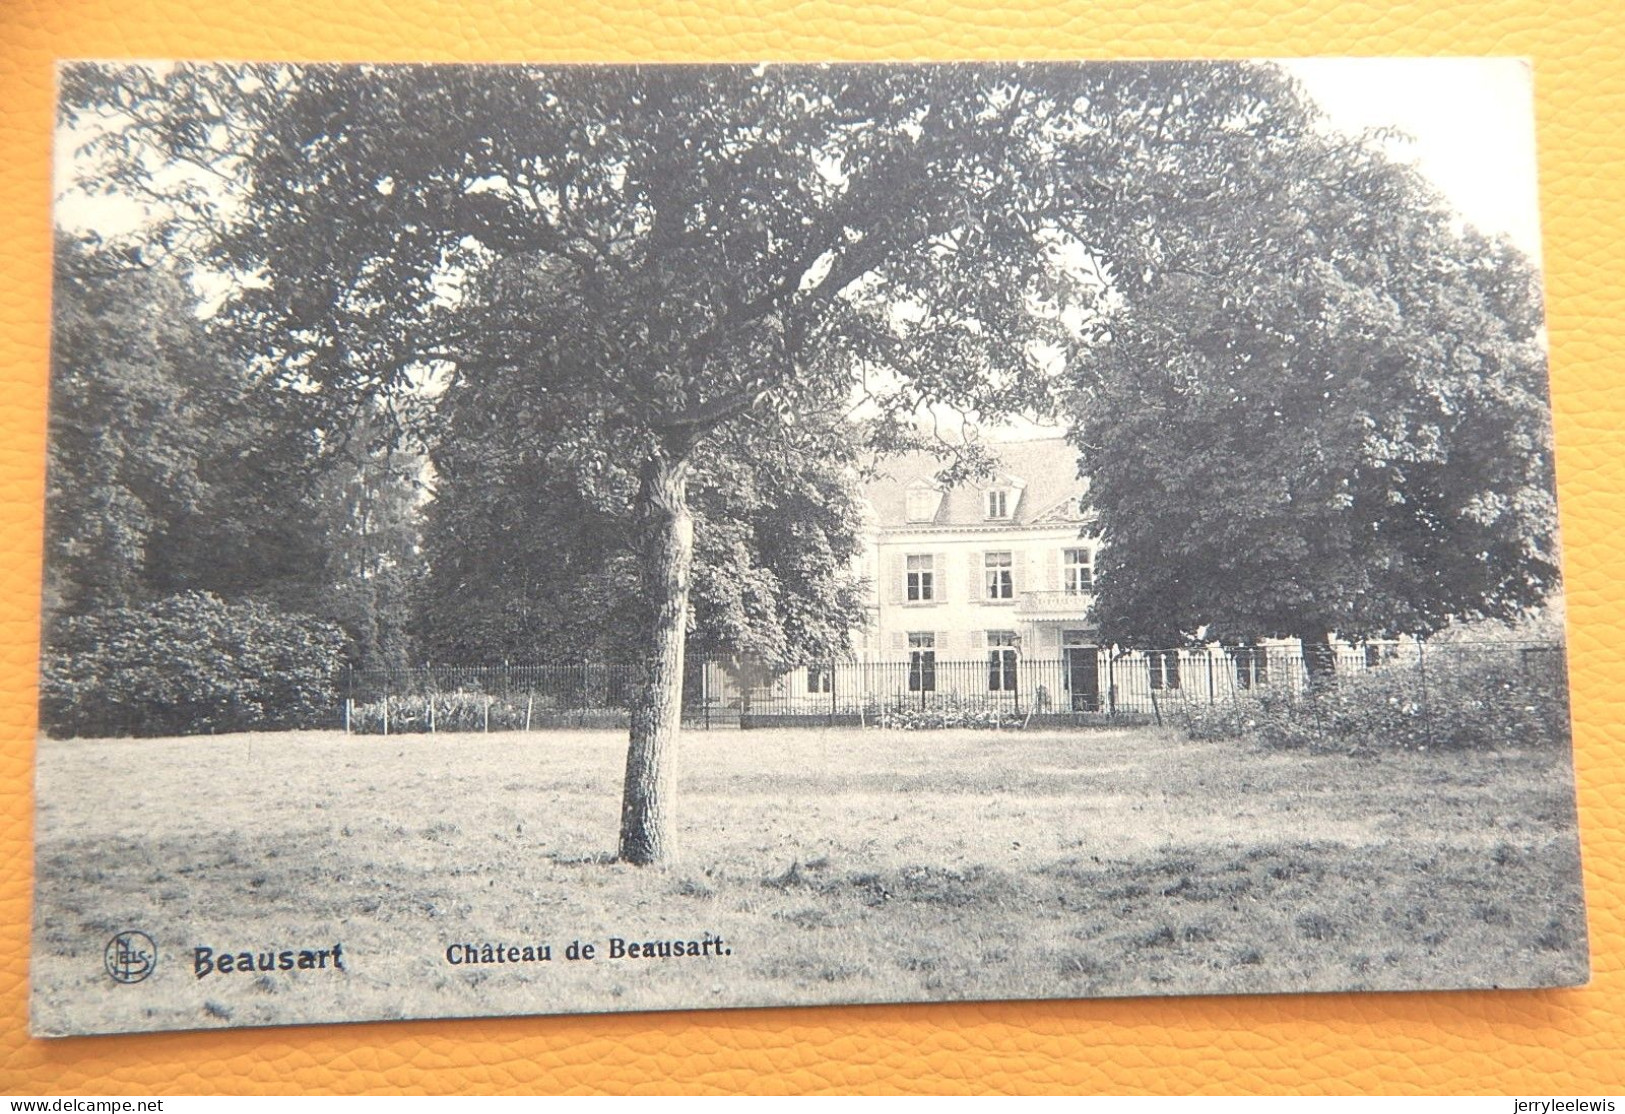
(1471, 121)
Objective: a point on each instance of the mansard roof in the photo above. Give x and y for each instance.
(1043, 471)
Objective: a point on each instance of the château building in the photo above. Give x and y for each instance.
(991, 571)
(980, 593)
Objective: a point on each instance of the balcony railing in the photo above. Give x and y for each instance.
(1058, 605)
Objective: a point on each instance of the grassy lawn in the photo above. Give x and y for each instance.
(838, 866)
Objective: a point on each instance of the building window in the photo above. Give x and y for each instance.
(1164, 665)
(921, 579)
(1252, 666)
(998, 503)
(1001, 661)
(922, 504)
(922, 662)
(819, 679)
(1080, 571)
(999, 571)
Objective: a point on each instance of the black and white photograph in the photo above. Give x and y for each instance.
(556, 539)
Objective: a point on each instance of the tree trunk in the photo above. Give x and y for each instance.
(1319, 659)
(666, 551)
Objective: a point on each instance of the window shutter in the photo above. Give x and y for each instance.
(978, 640)
(898, 640)
(1052, 570)
(978, 587)
(939, 563)
(1018, 573)
(894, 579)
(947, 643)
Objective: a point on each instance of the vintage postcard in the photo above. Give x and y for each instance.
(557, 539)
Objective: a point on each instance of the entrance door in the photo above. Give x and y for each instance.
(1083, 677)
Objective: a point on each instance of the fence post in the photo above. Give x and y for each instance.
(529, 697)
(430, 700)
(386, 711)
(487, 713)
(1427, 711)
(830, 676)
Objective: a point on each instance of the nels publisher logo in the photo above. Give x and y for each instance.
(130, 956)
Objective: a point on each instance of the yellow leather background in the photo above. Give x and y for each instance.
(1545, 1042)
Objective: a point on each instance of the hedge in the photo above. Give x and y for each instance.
(1455, 701)
(189, 664)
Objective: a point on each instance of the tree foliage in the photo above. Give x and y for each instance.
(173, 470)
(170, 470)
(367, 510)
(1320, 408)
(528, 548)
(663, 257)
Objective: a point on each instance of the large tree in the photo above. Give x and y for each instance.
(669, 258)
(1318, 409)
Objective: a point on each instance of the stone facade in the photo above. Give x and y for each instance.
(1002, 560)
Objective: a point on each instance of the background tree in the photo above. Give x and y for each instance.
(367, 503)
(1320, 408)
(170, 469)
(528, 555)
(183, 583)
(173, 471)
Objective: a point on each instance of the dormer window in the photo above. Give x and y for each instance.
(922, 503)
(1002, 497)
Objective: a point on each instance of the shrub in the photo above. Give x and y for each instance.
(471, 710)
(945, 712)
(188, 664)
(1460, 699)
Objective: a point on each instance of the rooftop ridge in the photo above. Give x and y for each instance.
(1045, 468)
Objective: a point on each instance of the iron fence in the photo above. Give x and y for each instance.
(435, 698)
(1081, 686)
